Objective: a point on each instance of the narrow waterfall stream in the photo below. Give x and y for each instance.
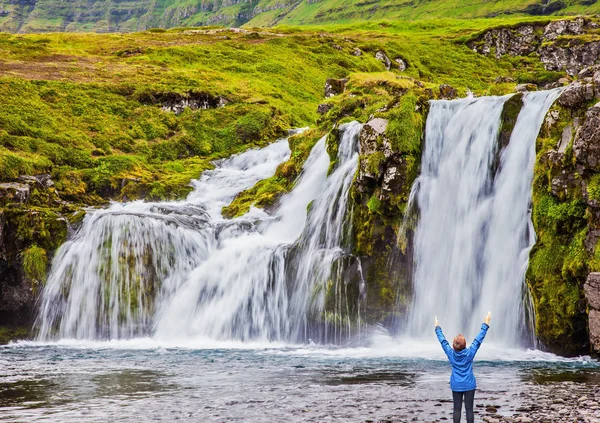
(474, 233)
(180, 271)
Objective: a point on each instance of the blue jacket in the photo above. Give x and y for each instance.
(462, 378)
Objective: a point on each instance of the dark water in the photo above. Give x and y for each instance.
(133, 383)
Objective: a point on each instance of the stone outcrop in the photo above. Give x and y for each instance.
(13, 192)
(178, 102)
(402, 64)
(556, 53)
(592, 295)
(576, 94)
(383, 58)
(31, 227)
(379, 165)
(335, 86)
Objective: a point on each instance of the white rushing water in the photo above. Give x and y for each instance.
(474, 233)
(180, 271)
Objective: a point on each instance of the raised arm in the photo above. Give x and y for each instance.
(440, 336)
(479, 338)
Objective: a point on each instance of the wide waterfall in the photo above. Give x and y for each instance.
(474, 233)
(179, 270)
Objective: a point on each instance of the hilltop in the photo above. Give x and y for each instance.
(25, 16)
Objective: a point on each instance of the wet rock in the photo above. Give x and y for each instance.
(447, 92)
(383, 58)
(576, 94)
(324, 108)
(335, 86)
(586, 146)
(592, 295)
(401, 64)
(14, 192)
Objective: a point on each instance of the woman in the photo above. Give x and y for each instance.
(462, 381)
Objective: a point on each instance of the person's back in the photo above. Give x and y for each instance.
(462, 380)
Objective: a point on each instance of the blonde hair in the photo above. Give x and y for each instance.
(459, 343)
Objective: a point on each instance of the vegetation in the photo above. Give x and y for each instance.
(136, 15)
(559, 261)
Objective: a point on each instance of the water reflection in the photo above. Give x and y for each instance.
(64, 389)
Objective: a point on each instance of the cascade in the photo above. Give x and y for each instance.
(474, 232)
(180, 270)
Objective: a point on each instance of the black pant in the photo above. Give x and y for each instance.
(469, 396)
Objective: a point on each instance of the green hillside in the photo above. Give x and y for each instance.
(135, 15)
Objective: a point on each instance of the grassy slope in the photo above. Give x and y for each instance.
(74, 105)
(135, 15)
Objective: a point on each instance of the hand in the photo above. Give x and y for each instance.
(436, 322)
(488, 318)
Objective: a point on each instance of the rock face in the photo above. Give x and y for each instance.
(378, 164)
(31, 229)
(576, 94)
(587, 142)
(592, 295)
(546, 41)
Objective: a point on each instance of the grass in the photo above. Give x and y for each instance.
(129, 15)
(82, 106)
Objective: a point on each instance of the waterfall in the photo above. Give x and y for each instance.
(474, 233)
(180, 270)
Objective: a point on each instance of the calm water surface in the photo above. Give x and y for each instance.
(137, 381)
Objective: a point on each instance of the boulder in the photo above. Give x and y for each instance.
(557, 28)
(401, 64)
(44, 180)
(335, 86)
(589, 71)
(586, 146)
(576, 94)
(369, 135)
(14, 192)
(356, 52)
(521, 88)
(592, 294)
(383, 58)
(447, 92)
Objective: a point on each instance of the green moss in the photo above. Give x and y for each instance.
(35, 264)
(374, 204)
(405, 128)
(13, 333)
(266, 192)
